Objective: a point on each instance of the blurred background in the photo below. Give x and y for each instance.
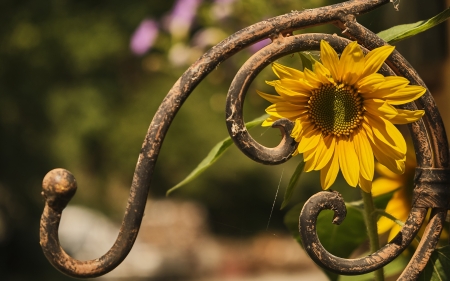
(79, 84)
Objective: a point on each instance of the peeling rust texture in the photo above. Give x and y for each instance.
(59, 186)
(334, 201)
(426, 246)
(429, 138)
(432, 188)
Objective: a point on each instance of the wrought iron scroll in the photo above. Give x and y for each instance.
(432, 180)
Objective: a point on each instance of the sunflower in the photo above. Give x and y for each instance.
(344, 113)
(399, 205)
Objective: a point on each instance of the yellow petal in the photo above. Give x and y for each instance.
(388, 150)
(312, 78)
(387, 155)
(375, 59)
(351, 64)
(309, 155)
(396, 166)
(270, 98)
(369, 84)
(309, 140)
(286, 110)
(385, 172)
(388, 134)
(329, 173)
(322, 73)
(366, 185)
(382, 186)
(292, 96)
(318, 151)
(302, 128)
(380, 108)
(329, 144)
(399, 205)
(311, 162)
(365, 155)
(384, 224)
(407, 116)
(347, 159)
(368, 129)
(399, 208)
(390, 85)
(301, 86)
(269, 121)
(298, 128)
(401, 165)
(394, 231)
(405, 95)
(286, 72)
(329, 58)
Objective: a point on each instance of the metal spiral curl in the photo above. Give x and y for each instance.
(327, 200)
(283, 46)
(432, 177)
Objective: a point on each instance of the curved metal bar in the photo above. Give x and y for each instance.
(431, 151)
(58, 180)
(426, 246)
(283, 46)
(334, 201)
(234, 112)
(280, 47)
(59, 185)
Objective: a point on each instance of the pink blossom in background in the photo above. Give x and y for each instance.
(224, 1)
(259, 45)
(222, 8)
(182, 15)
(144, 37)
(185, 10)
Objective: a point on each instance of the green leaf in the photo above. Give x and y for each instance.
(400, 32)
(292, 183)
(307, 62)
(291, 221)
(379, 201)
(340, 240)
(215, 153)
(350, 234)
(438, 265)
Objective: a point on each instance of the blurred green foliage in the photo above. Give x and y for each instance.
(73, 95)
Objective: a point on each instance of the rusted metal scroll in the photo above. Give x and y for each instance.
(432, 178)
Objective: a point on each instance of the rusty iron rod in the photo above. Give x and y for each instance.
(59, 185)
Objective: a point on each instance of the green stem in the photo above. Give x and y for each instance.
(370, 218)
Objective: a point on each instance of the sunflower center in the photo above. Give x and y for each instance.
(336, 109)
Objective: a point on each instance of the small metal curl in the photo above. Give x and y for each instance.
(59, 186)
(282, 46)
(327, 200)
